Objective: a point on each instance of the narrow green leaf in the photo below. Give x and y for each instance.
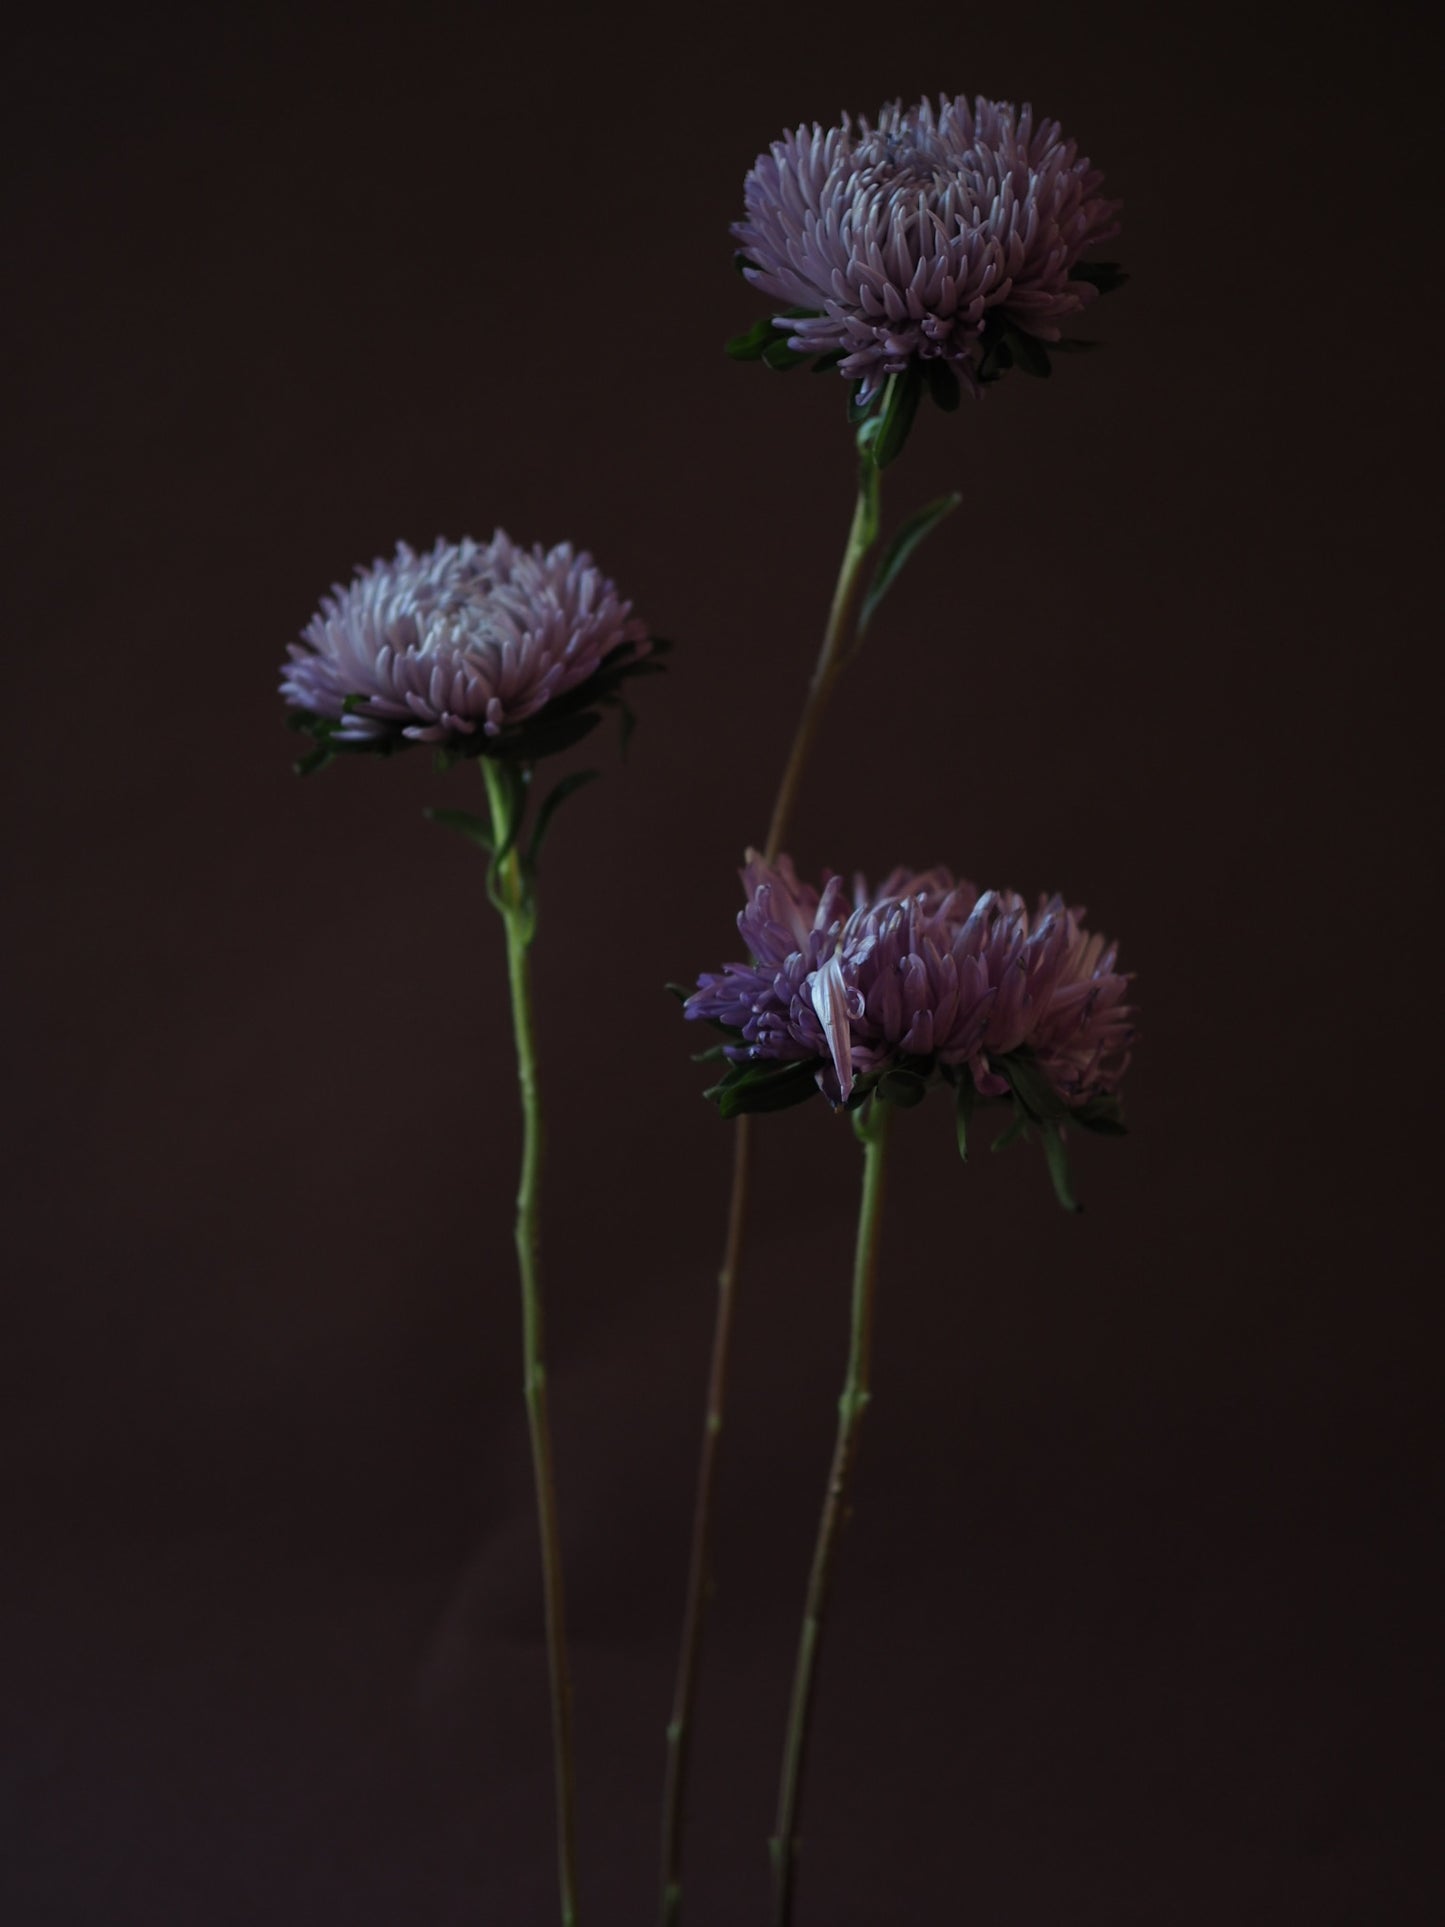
(859, 411)
(825, 364)
(900, 405)
(1058, 1162)
(906, 1089)
(963, 1111)
(467, 823)
(942, 385)
(1031, 1089)
(1102, 1114)
(749, 345)
(780, 357)
(758, 1087)
(547, 736)
(914, 530)
(1030, 356)
(313, 760)
(552, 802)
(1106, 276)
(1013, 1132)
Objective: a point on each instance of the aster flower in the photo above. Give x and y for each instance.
(465, 647)
(848, 991)
(944, 242)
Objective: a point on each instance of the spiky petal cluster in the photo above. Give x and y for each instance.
(905, 236)
(924, 969)
(468, 637)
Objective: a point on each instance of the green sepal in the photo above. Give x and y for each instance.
(1030, 356)
(780, 357)
(906, 1089)
(551, 803)
(547, 736)
(943, 387)
(1013, 1132)
(965, 1095)
(1102, 1114)
(1106, 276)
(765, 340)
(882, 436)
(749, 345)
(315, 758)
(1032, 1090)
(919, 525)
(825, 364)
(714, 1054)
(764, 1087)
(859, 411)
(327, 745)
(1058, 1163)
(467, 823)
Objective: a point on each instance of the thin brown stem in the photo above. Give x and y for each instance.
(872, 1127)
(679, 1730)
(831, 657)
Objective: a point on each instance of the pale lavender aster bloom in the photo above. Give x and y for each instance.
(924, 971)
(469, 638)
(906, 237)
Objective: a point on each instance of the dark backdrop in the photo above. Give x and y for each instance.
(1132, 1622)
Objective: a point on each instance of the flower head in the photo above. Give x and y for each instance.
(845, 988)
(464, 646)
(948, 236)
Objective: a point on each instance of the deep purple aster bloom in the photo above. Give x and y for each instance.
(925, 970)
(468, 638)
(906, 237)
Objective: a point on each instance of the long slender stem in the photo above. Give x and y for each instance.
(516, 912)
(861, 536)
(679, 1731)
(873, 1129)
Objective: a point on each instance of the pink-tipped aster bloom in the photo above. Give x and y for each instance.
(920, 237)
(459, 646)
(924, 975)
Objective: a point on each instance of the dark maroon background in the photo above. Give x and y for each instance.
(1132, 1626)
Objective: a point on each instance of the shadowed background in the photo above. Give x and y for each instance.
(1131, 1625)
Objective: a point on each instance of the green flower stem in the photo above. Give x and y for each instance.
(831, 657)
(512, 896)
(872, 1126)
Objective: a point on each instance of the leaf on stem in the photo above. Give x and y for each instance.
(551, 803)
(1058, 1162)
(914, 530)
(467, 823)
(963, 1111)
(1106, 276)
(942, 385)
(764, 1087)
(882, 436)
